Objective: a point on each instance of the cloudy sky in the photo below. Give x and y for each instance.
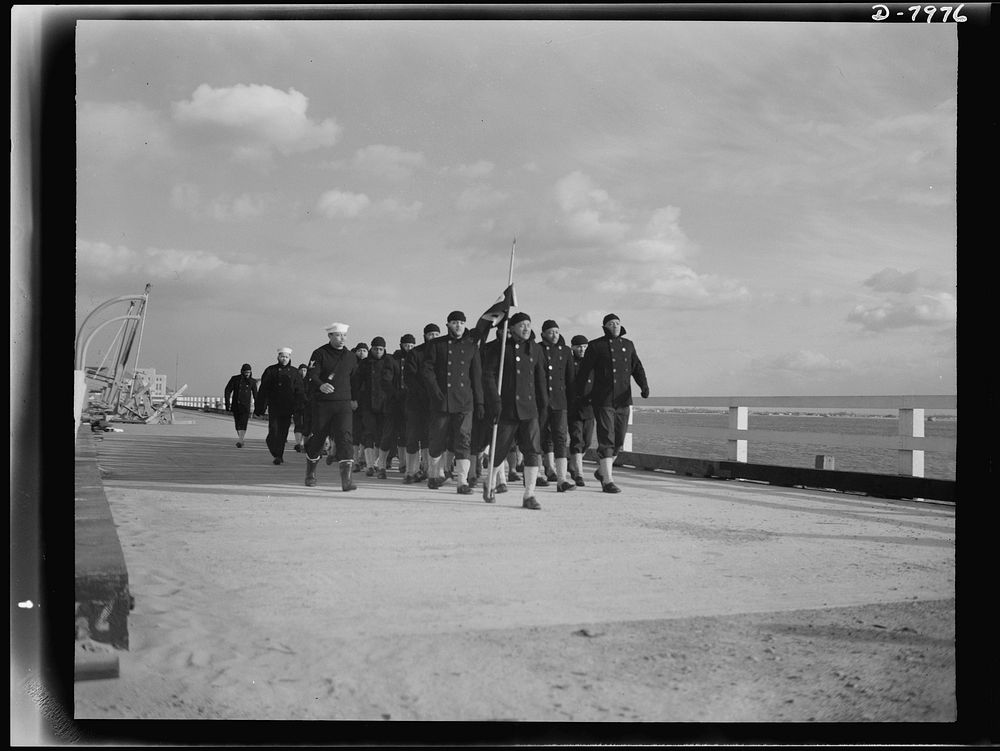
(769, 207)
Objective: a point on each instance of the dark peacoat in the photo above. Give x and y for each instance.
(524, 388)
(378, 379)
(240, 392)
(281, 390)
(452, 374)
(559, 372)
(613, 363)
(337, 367)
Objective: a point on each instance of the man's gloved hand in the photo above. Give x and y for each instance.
(645, 393)
(480, 411)
(493, 410)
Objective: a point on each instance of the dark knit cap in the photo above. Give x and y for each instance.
(303, 365)
(610, 317)
(456, 315)
(246, 366)
(378, 342)
(549, 324)
(432, 327)
(579, 339)
(360, 345)
(518, 317)
(407, 339)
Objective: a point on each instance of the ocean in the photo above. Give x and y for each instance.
(648, 438)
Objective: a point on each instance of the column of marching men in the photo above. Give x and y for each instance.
(437, 406)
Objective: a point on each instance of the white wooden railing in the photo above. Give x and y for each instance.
(910, 441)
(201, 402)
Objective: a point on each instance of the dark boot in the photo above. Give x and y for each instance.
(345, 476)
(311, 471)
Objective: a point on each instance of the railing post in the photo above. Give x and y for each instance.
(911, 425)
(738, 419)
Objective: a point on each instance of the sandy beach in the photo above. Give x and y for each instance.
(681, 600)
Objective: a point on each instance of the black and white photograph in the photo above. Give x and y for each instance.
(550, 374)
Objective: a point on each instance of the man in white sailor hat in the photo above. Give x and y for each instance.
(333, 372)
(281, 393)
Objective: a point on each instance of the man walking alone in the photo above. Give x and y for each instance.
(613, 362)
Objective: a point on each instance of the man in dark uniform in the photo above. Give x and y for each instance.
(523, 395)
(240, 394)
(377, 379)
(333, 372)
(301, 418)
(554, 421)
(581, 415)
(406, 344)
(417, 408)
(613, 362)
(357, 429)
(454, 381)
(281, 394)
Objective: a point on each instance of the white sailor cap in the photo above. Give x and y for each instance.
(337, 328)
(285, 351)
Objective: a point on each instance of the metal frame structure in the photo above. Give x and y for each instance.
(122, 396)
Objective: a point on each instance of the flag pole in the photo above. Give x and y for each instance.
(488, 493)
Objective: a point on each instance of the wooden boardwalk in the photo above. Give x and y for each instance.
(203, 520)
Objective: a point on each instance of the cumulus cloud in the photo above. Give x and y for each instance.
(589, 213)
(120, 130)
(914, 298)
(390, 162)
(924, 310)
(336, 203)
(894, 280)
(643, 256)
(260, 119)
(154, 263)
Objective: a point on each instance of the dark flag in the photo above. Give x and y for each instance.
(495, 313)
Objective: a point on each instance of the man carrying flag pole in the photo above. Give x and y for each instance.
(524, 398)
(499, 310)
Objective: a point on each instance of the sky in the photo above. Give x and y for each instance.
(769, 208)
